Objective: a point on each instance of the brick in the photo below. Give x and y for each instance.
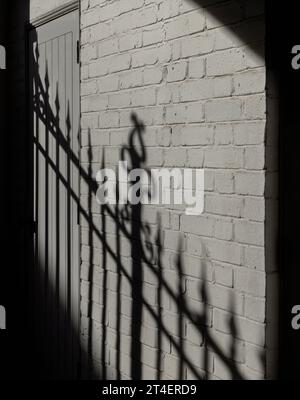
(100, 31)
(171, 365)
(119, 100)
(225, 298)
(250, 183)
(254, 209)
(195, 158)
(108, 84)
(223, 251)
(88, 19)
(145, 57)
(251, 331)
(222, 321)
(196, 356)
(255, 107)
(197, 267)
(131, 79)
(253, 55)
(167, 94)
(194, 245)
(255, 357)
(226, 62)
(119, 63)
(153, 36)
(224, 158)
(89, 87)
(255, 308)
(114, 9)
(168, 8)
(89, 121)
(175, 157)
(223, 205)
(249, 82)
(223, 275)
(255, 158)
(250, 282)
(192, 90)
(194, 334)
(153, 76)
(130, 41)
(98, 68)
(195, 112)
(196, 68)
(255, 257)
(249, 133)
(197, 45)
(223, 110)
(146, 16)
(185, 25)
(143, 97)
(197, 225)
(109, 119)
(163, 136)
(197, 135)
(224, 182)
(223, 229)
(177, 71)
(172, 239)
(184, 113)
(155, 157)
(108, 47)
(249, 232)
(223, 134)
(94, 103)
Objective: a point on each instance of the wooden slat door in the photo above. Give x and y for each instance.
(54, 82)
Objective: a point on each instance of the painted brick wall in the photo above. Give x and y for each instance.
(166, 295)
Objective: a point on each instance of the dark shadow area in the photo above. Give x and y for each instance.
(42, 343)
(231, 15)
(4, 294)
(280, 44)
(16, 222)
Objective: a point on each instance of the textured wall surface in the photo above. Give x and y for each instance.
(166, 295)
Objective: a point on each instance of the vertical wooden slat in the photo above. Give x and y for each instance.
(69, 128)
(63, 196)
(55, 208)
(41, 261)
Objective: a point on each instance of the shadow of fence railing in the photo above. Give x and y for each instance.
(145, 256)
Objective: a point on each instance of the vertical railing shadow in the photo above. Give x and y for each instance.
(137, 161)
(86, 215)
(159, 299)
(129, 225)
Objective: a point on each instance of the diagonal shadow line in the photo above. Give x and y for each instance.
(126, 274)
(198, 320)
(93, 185)
(49, 116)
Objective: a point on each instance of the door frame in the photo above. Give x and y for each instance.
(57, 12)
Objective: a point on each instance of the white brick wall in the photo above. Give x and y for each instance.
(197, 82)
